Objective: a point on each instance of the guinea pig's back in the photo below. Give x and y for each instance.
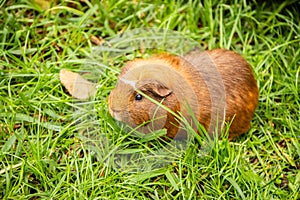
(240, 88)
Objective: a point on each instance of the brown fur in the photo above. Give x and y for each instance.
(171, 79)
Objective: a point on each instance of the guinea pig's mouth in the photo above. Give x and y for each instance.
(119, 115)
(116, 114)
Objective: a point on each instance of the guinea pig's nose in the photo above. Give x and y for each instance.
(111, 112)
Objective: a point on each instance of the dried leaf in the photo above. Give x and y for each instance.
(96, 40)
(76, 85)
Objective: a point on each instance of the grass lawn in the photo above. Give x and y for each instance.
(46, 151)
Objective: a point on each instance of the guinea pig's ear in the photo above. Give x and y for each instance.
(156, 88)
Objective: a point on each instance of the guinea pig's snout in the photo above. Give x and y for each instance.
(115, 114)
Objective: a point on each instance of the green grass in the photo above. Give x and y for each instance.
(44, 154)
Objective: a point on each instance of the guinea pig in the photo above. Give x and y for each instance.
(214, 87)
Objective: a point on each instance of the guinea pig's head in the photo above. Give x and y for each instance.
(142, 99)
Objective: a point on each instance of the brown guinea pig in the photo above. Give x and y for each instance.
(213, 87)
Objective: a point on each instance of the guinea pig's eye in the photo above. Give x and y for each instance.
(138, 97)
